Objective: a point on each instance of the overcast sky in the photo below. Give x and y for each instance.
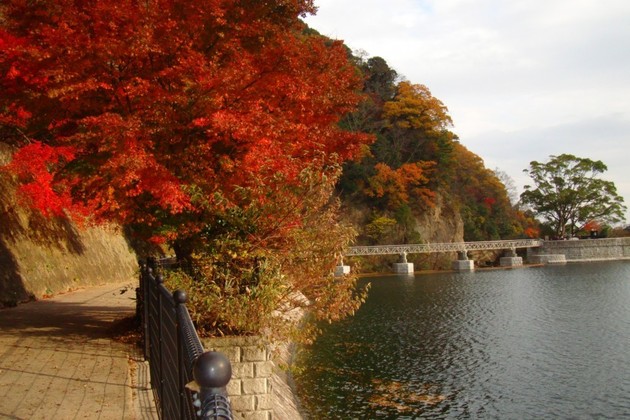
(522, 79)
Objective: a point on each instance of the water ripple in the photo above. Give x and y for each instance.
(530, 343)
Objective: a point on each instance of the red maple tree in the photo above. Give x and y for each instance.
(158, 113)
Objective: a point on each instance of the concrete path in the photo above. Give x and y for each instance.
(58, 360)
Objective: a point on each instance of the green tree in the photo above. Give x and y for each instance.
(483, 200)
(380, 79)
(568, 193)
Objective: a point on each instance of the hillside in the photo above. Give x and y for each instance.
(416, 182)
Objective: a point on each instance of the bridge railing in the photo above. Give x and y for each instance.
(441, 247)
(187, 382)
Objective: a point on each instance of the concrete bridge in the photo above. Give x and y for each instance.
(461, 264)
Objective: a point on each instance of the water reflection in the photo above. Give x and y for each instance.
(526, 343)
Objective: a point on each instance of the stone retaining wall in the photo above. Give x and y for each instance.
(585, 249)
(547, 259)
(249, 389)
(258, 389)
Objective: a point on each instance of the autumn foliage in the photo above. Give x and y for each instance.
(222, 128)
(139, 110)
(417, 161)
(208, 125)
(405, 185)
(414, 107)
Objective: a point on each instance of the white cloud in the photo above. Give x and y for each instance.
(522, 79)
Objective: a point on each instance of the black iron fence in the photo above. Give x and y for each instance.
(187, 382)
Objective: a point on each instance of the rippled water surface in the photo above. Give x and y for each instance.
(544, 342)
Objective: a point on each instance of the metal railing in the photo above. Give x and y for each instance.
(441, 247)
(187, 382)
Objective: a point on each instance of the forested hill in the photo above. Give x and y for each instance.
(417, 171)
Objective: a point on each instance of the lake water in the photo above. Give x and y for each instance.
(527, 343)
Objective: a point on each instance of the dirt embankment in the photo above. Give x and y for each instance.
(41, 257)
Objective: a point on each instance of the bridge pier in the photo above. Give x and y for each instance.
(402, 266)
(511, 259)
(341, 270)
(463, 264)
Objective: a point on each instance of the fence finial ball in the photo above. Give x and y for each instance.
(180, 296)
(212, 370)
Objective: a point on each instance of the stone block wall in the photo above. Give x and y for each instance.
(586, 249)
(547, 259)
(250, 389)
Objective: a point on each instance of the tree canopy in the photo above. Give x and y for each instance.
(568, 193)
(136, 109)
(211, 125)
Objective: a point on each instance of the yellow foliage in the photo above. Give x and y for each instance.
(414, 107)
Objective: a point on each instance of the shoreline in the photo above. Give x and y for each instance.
(424, 272)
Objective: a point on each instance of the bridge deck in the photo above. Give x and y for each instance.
(442, 247)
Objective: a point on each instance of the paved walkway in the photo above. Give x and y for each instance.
(58, 360)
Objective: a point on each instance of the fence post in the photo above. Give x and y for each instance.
(158, 281)
(180, 298)
(139, 302)
(145, 274)
(212, 372)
